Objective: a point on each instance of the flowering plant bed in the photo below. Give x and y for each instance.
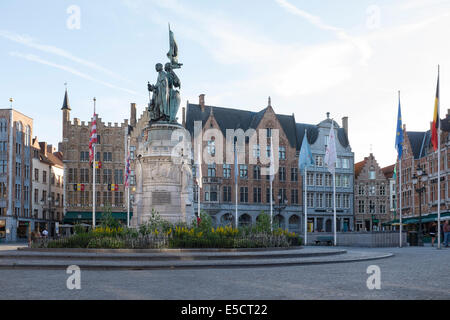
(159, 234)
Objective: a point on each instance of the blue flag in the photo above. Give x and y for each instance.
(399, 132)
(305, 157)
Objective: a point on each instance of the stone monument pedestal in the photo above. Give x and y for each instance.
(164, 175)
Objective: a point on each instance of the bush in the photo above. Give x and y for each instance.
(106, 243)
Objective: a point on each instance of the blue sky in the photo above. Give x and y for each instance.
(346, 57)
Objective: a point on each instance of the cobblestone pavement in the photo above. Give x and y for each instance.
(413, 273)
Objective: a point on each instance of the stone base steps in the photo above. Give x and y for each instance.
(181, 260)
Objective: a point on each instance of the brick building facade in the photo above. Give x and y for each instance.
(418, 151)
(372, 195)
(78, 174)
(218, 194)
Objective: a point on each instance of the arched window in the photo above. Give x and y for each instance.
(245, 220)
(19, 126)
(294, 223)
(227, 219)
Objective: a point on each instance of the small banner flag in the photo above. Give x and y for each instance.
(93, 138)
(330, 153)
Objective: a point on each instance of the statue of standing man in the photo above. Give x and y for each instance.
(165, 102)
(160, 91)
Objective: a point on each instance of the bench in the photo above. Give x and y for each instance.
(327, 239)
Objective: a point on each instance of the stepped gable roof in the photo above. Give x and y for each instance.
(388, 171)
(359, 166)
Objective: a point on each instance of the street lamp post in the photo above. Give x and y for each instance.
(281, 205)
(418, 179)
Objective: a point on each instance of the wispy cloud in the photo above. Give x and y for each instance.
(361, 44)
(32, 43)
(34, 58)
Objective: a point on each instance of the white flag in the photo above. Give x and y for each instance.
(199, 168)
(330, 153)
(272, 162)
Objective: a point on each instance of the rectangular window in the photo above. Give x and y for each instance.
(361, 206)
(294, 174)
(107, 176)
(107, 156)
(319, 179)
(310, 179)
(329, 200)
(282, 194)
(84, 175)
(319, 161)
(310, 197)
(256, 151)
(212, 170)
(244, 194)
(319, 200)
(282, 153)
(257, 172)
(44, 176)
(328, 180)
(257, 195)
(346, 201)
(118, 176)
(243, 171)
(107, 198)
(227, 194)
(294, 196)
(282, 174)
(118, 198)
(226, 171)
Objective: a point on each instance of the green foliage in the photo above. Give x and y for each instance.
(263, 223)
(205, 223)
(158, 233)
(79, 229)
(155, 222)
(108, 220)
(106, 243)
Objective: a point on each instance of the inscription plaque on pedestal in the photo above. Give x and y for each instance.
(160, 197)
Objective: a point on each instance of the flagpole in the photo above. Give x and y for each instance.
(334, 207)
(305, 205)
(127, 182)
(236, 205)
(271, 206)
(236, 185)
(439, 168)
(400, 196)
(93, 178)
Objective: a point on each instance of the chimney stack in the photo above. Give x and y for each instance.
(43, 146)
(345, 125)
(133, 114)
(201, 102)
(183, 117)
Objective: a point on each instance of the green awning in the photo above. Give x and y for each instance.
(76, 216)
(425, 219)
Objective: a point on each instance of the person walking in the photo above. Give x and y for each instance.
(433, 230)
(446, 233)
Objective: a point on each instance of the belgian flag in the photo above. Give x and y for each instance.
(436, 120)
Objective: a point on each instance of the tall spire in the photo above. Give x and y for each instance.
(66, 104)
(269, 103)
